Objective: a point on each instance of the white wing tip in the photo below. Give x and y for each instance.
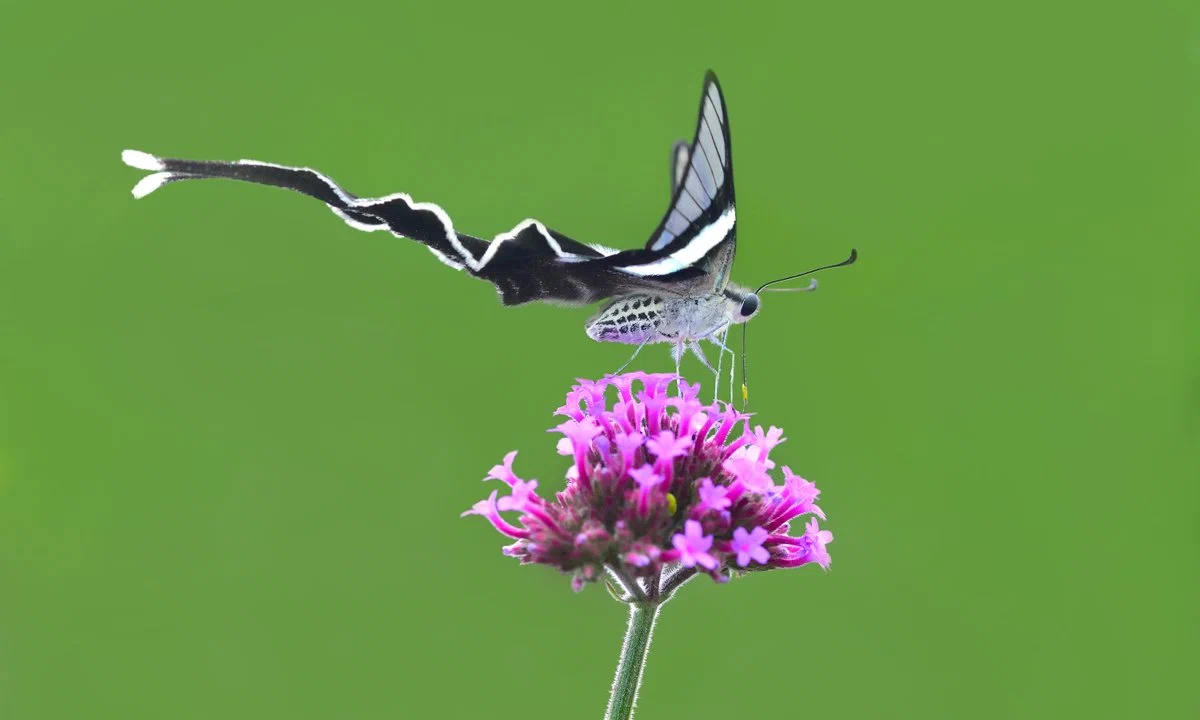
(141, 160)
(150, 183)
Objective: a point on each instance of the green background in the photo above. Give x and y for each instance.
(235, 434)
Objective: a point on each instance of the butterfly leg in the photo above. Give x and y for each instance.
(631, 357)
(696, 351)
(677, 353)
(717, 373)
(717, 377)
(719, 341)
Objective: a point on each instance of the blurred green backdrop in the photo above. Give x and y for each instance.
(235, 434)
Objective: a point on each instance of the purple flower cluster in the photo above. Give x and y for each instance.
(658, 482)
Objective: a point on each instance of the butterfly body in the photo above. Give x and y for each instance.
(645, 319)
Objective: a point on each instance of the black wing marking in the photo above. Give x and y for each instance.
(529, 263)
(698, 231)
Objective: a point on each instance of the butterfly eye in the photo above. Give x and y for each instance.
(749, 305)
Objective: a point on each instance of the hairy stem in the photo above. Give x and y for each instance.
(631, 587)
(633, 660)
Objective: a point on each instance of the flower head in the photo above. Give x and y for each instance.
(660, 485)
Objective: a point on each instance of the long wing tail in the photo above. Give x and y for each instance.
(530, 262)
(424, 222)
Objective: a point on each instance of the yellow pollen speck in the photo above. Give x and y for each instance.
(672, 503)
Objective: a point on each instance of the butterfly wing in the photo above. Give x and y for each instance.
(695, 242)
(532, 262)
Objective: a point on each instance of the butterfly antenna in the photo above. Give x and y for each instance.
(811, 286)
(848, 261)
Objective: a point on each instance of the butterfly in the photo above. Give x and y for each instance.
(674, 290)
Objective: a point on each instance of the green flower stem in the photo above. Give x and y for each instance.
(633, 660)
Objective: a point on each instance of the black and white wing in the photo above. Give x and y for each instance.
(531, 262)
(698, 233)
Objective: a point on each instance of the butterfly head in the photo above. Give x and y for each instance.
(740, 304)
(749, 307)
